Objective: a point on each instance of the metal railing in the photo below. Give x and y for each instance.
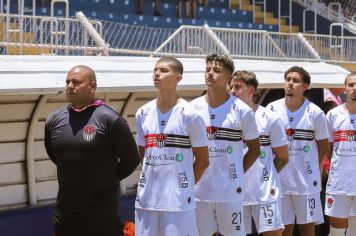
(104, 37)
(24, 34)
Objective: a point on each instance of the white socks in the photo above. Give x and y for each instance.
(337, 232)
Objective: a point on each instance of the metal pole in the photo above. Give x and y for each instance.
(30, 160)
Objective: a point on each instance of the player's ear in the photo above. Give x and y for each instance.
(93, 85)
(179, 77)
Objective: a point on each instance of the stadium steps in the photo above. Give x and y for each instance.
(259, 18)
(216, 14)
(349, 66)
(15, 38)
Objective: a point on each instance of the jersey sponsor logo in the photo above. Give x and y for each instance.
(263, 154)
(294, 150)
(300, 134)
(163, 159)
(330, 201)
(219, 133)
(89, 132)
(167, 140)
(228, 150)
(345, 136)
(346, 152)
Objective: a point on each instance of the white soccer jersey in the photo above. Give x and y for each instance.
(262, 180)
(167, 179)
(226, 126)
(301, 175)
(342, 128)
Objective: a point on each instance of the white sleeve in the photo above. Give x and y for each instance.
(321, 127)
(249, 126)
(140, 138)
(329, 119)
(277, 133)
(197, 131)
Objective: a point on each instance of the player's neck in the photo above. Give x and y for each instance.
(166, 100)
(293, 103)
(82, 105)
(350, 107)
(216, 98)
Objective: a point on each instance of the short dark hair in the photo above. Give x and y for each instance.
(349, 75)
(303, 73)
(175, 64)
(226, 60)
(247, 77)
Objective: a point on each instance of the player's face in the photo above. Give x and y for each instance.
(164, 76)
(216, 75)
(294, 86)
(79, 89)
(350, 89)
(240, 89)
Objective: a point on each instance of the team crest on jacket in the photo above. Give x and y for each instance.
(161, 140)
(211, 132)
(89, 132)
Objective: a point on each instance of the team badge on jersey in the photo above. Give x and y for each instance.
(290, 133)
(161, 140)
(330, 202)
(211, 132)
(89, 132)
(350, 135)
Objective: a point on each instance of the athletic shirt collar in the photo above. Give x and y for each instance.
(96, 103)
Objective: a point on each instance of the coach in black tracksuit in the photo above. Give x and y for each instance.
(93, 149)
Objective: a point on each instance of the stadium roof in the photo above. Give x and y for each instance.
(46, 74)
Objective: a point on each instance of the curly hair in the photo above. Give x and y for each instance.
(227, 61)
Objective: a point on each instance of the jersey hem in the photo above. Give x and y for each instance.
(163, 209)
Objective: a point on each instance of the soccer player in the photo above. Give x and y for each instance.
(263, 188)
(306, 129)
(341, 186)
(93, 149)
(228, 121)
(170, 133)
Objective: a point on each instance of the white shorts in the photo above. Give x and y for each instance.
(267, 217)
(307, 209)
(223, 217)
(341, 206)
(160, 223)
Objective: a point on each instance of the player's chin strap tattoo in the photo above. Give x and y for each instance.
(279, 164)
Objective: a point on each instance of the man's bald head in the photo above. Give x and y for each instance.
(81, 86)
(84, 71)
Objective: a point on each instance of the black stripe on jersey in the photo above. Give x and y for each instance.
(303, 134)
(228, 134)
(264, 140)
(179, 141)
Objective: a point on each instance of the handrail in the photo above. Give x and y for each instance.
(92, 32)
(215, 39)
